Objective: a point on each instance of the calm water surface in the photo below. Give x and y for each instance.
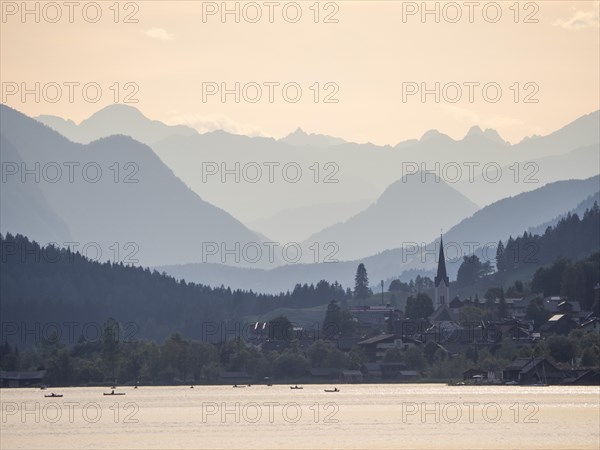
(261, 417)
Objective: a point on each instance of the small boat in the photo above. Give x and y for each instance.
(53, 395)
(296, 387)
(332, 390)
(239, 386)
(114, 393)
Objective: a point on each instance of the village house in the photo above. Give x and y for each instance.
(518, 330)
(376, 347)
(559, 324)
(455, 306)
(551, 303)
(474, 374)
(351, 376)
(572, 309)
(442, 314)
(532, 371)
(517, 307)
(561, 305)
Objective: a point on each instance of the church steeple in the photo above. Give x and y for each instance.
(441, 270)
(442, 282)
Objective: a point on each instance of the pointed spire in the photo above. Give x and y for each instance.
(441, 270)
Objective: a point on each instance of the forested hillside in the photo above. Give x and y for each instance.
(42, 285)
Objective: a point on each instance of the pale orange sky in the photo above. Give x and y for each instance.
(369, 53)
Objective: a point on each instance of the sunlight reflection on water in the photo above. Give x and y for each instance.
(359, 416)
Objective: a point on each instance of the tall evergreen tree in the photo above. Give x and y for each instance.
(361, 283)
(500, 265)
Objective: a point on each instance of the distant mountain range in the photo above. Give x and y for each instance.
(129, 121)
(115, 120)
(300, 138)
(336, 172)
(120, 198)
(475, 132)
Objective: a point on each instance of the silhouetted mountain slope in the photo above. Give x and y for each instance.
(588, 203)
(123, 198)
(410, 210)
(23, 205)
(581, 132)
(514, 215)
(526, 176)
(574, 238)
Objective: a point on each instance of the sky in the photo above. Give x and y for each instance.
(360, 69)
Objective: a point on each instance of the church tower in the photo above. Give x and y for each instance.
(442, 282)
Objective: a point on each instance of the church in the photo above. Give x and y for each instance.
(441, 311)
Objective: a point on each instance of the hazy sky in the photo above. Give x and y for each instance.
(367, 55)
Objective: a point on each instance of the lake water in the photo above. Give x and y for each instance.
(261, 417)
